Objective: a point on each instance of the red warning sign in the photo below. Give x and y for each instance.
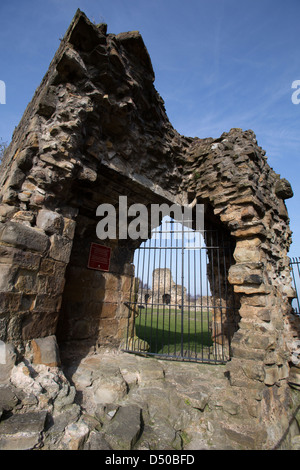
(99, 257)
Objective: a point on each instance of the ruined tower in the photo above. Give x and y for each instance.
(97, 128)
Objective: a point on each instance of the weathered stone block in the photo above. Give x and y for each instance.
(112, 282)
(253, 369)
(22, 431)
(26, 282)
(52, 285)
(22, 236)
(109, 310)
(125, 428)
(47, 104)
(271, 375)
(37, 325)
(248, 251)
(45, 351)
(283, 189)
(69, 228)
(45, 303)
(71, 63)
(8, 397)
(7, 362)
(248, 438)
(75, 436)
(245, 273)
(7, 277)
(96, 441)
(49, 221)
(110, 387)
(294, 378)
(23, 259)
(60, 249)
(108, 329)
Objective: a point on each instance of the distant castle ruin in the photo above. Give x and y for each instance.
(166, 292)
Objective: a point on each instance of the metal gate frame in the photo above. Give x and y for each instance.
(182, 326)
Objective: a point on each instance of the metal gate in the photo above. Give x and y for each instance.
(295, 272)
(181, 305)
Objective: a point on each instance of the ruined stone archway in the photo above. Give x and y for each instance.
(97, 128)
(191, 312)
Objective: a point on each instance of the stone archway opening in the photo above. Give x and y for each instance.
(181, 304)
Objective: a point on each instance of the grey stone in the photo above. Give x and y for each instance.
(60, 249)
(294, 378)
(32, 422)
(7, 278)
(110, 387)
(23, 236)
(59, 422)
(9, 354)
(20, 441)
(71, 63)
(96, 441)
(150, 371)
(125, 428)
(65, 397)
(283, 189)
(197, 399)
(75, 436)
(295, 443)
(8, 397)
(47, 104)
(45, 351)
(49, 221)
(22, 431)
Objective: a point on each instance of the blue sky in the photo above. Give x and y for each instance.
(218, 64)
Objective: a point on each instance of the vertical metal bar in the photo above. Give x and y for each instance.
(170, 286)
(164, 291)
(182, 283)
(201, 302)
(148, 274)
(214, 291)
(211, 282)
(141, 304)
(195, 294)
(189, 302)
(158, 289)
(153, 291)
(220, 328)
(176, 292)
(130, 323)
(137, 317)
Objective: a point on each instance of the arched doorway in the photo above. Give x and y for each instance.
(191, 312)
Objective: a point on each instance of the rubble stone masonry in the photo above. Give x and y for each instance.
(95, 129)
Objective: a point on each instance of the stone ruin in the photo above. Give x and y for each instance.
(164, 290)
(95, 129)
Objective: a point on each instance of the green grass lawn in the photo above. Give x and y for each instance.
(161, 329)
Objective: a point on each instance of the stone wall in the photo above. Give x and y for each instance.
(95, 129)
